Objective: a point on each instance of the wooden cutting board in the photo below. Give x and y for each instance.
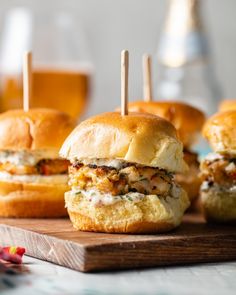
(56, 241)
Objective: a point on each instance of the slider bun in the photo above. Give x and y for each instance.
(139, 138)
(35, 129)
(187, 120)
(219, 206)
(227, 105)
(190, 182)
(220, 131)
(29, 200)
(151, 215)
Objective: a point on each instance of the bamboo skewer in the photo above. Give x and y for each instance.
(124, 82)
(27, 80)
(147, 78)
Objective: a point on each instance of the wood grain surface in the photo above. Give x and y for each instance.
(56, 241)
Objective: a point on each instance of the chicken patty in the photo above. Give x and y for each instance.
(129, 178)
(43, 167)
(220, 170)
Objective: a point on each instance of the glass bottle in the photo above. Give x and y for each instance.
(185, 72)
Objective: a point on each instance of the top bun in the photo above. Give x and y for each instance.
(220, 131)
(227, 105)
(35, 129)
(139, 138)
(187, 120)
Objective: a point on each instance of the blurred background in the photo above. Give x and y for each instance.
(82, 39)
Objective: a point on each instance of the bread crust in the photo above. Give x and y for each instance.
(187, 119)
(190, 183)
(84, 223)
(227, 105)
(220, 131)
(219, 206)
(32, 200)
(35, 129)
(153, 214)
(137, 138)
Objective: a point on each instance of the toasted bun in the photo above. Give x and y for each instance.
(32, 200)
(139, 138)
(227, 105)
(187, 120)
(151, 215)
(190, 182)
(219, 206)
(35, 129)
(220, 131)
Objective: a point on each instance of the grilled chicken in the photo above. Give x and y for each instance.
(43, 167)
(130, 178)
(220, 170)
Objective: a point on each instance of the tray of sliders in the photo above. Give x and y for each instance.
(131, 177)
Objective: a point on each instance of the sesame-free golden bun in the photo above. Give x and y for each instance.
(32, 200)
(219, 206)
(138, 138)
(227, 105)
(35, 129)
(187, 119)
(220, 131)
(190, 182)
(153, 214)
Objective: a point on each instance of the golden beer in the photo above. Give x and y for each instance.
(65, 90)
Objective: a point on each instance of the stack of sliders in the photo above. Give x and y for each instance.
(227, 105)
(33, 178)
(121, 172)
(218, 170)
(188, 122)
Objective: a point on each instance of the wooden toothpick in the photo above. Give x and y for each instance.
(124, 82)
(147, 78)
(27, 80)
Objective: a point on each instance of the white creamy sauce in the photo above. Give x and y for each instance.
(176, 191)
(118, 164)
(53, 179)
(233, 189)
(231, 167)
(24, 157)
(213, 156)
(97, 198)
(217, 156)
(205, 187)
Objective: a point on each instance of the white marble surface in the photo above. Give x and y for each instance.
(47, 278)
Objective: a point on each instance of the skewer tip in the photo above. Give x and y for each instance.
(124, 81)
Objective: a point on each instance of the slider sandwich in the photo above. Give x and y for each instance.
(227, 105)
(218, 170)
(121, 174)
(33, 178)
(188, 122)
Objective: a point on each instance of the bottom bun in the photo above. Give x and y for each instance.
(32, 200)
(219, 206)
(152, 214)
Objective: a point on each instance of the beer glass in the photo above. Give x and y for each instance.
(61, 63)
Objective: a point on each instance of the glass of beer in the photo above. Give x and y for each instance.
(61, 64)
